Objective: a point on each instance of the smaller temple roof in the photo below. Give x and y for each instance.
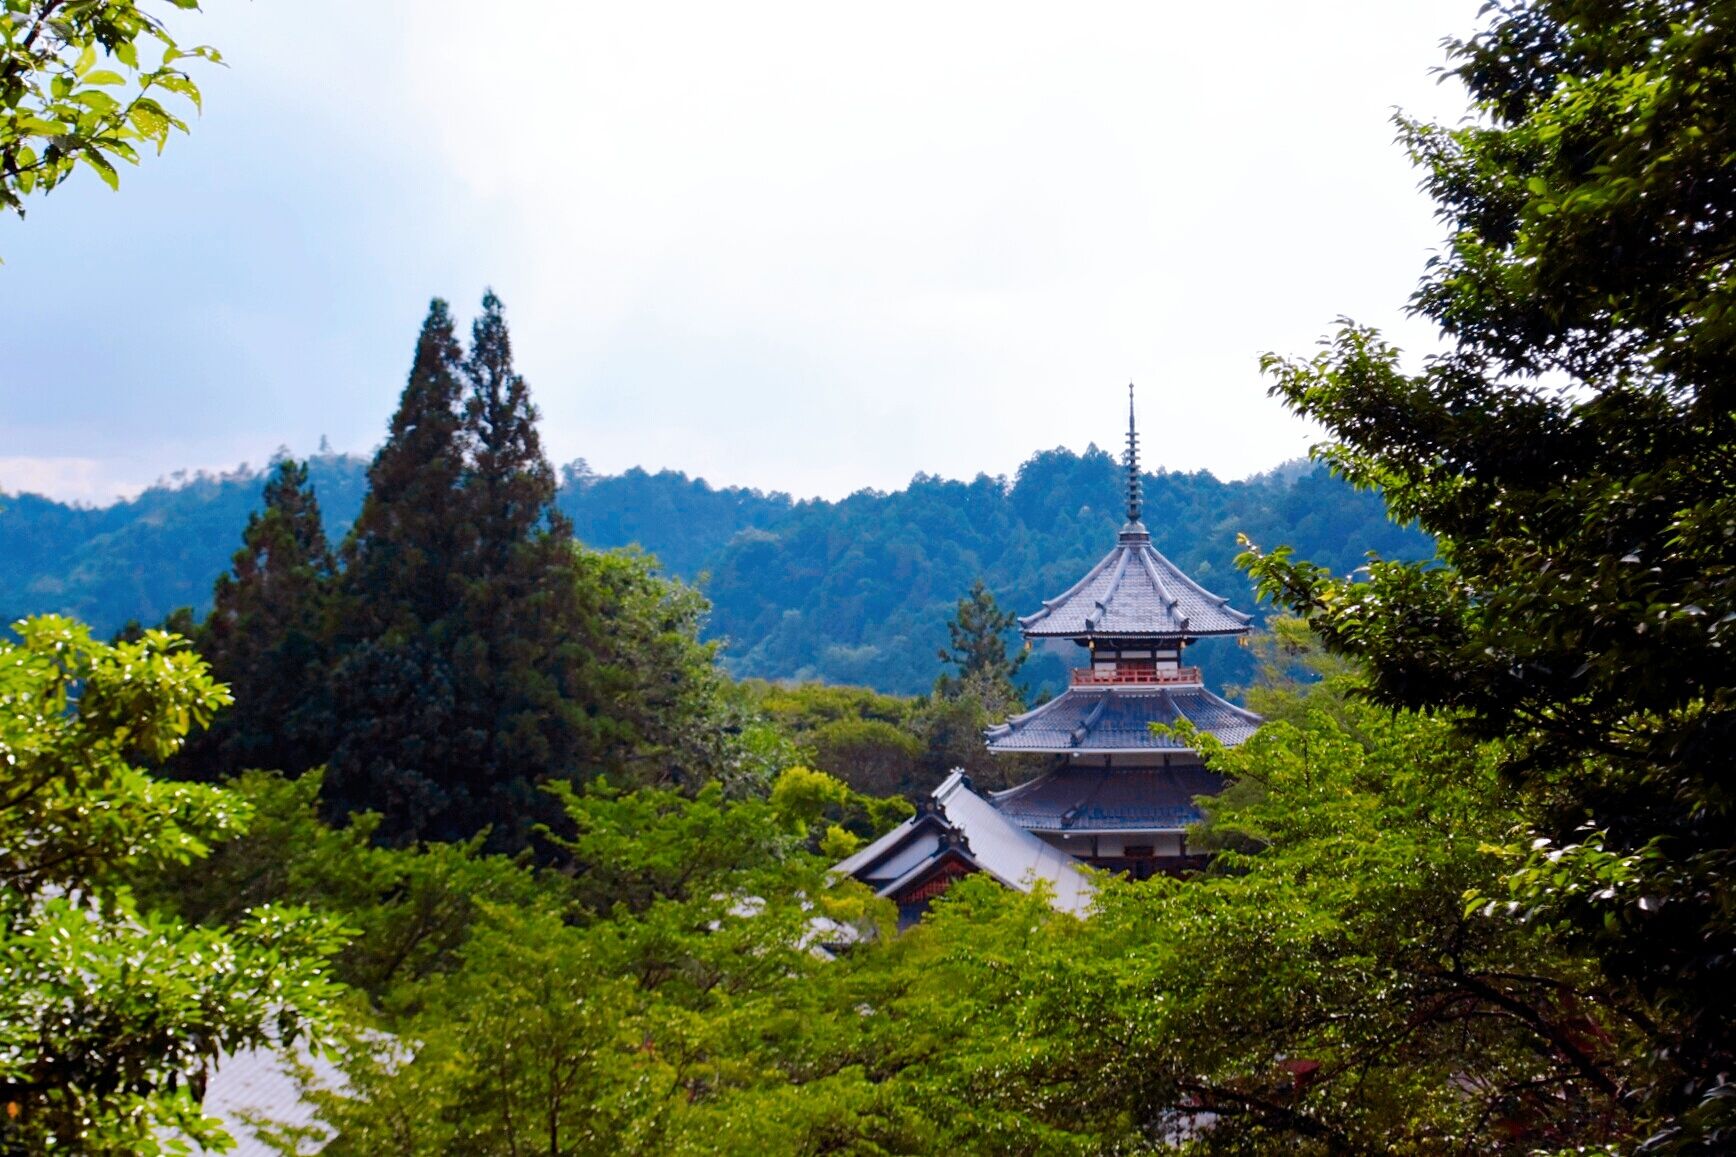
(1104, 720)
(1109, 799)
(956, 823)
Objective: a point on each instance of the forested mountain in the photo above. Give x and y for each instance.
(854, 591)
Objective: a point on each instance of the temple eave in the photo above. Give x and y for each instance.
(1063, 632)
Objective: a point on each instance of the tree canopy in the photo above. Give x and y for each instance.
(112, 1015)
(1573, 453)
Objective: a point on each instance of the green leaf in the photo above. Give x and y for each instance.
(103, 168)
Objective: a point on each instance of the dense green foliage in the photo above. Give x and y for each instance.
(1471, 890)
(1575, 452)
(855, 591)
(111, 1013)
(1323, 989)
(62, 101)
(459, 649)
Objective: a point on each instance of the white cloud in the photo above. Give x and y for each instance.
(89, 480)
(818, 246)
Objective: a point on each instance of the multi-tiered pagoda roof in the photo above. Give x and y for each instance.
(1111, 717)
(1121, 791)
(1133, 612)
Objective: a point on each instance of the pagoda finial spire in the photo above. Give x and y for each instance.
(1133, 488)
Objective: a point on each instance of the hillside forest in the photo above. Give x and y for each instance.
(458, 809)
(853, 592)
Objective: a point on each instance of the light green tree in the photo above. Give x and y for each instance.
(1573, 452)
(84, 82)
(111, 1015)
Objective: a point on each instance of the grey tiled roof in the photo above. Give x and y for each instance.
(1109, 799)
(1118, 718)
(1134, 592)
(956, 820)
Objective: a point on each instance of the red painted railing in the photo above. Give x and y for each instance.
(1091, 677)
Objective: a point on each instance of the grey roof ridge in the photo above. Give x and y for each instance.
(1091, 621)
(954, 780)
(1173, 602)
(1051, 604)
(1149, 558)
(1222, 601)
(1014, 720)
(1090, 720)
(996, 797)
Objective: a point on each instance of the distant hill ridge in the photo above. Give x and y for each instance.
(853, 591)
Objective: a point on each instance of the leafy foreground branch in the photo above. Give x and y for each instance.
(83, 82)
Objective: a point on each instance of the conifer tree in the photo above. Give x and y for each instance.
(472, 650)
(400, 556)
(979, 646)
(393, 746)
(511, 489)
(265, 637)
(513, 652)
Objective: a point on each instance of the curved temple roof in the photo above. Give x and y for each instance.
(957, 821)
(1105, 799)
(1114, 719)
(1133, 593)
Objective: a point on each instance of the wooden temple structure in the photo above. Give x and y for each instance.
(1118, 795)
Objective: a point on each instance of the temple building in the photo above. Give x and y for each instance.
(1118, 795)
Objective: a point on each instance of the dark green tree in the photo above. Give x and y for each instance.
(265, 638)
(479, 651)
(513, 643)
(401, 559)
(1575, 452)
(510, 490)
(978, 647)
(391, 680)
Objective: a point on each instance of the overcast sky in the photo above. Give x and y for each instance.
(807, 247)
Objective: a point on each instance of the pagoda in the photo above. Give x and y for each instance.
(1119, 795)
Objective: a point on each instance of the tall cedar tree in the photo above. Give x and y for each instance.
(516, 652)
(403, 553)
(471, 668)
(1576, 454)
(265, 638)
(468, 650)
(394, 749)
